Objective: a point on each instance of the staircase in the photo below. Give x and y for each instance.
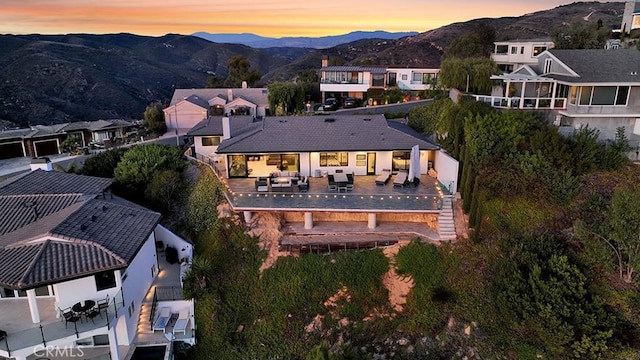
(144, 324)
(446, 223)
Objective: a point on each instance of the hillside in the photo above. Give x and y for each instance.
(59, 78)
(426, 49)
(54, 79)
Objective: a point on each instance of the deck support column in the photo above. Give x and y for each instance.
(33, 306)
(113, 342)
(247, 216)
(371, 223)
(308, 220)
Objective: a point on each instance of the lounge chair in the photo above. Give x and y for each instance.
(349, 181)
(163, 318)
(182, 322)
(400, 179)
(383, 177)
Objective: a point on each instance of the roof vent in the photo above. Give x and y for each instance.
(330, 120)
(83, 227)
(92, 217)
(634, 73)
(367, 119)
(104, 207)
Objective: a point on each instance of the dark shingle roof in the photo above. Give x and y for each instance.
(53, 182)
(371, 69)
(17, 211)
(212, 126)
(258, 96)
(600, 65)
(324, 133)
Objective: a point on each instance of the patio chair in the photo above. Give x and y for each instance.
(92, 313)
(349, 181)
(383, 177)
(332, 183)
(163, 318)
(69, 316)
(182, 322)
(400, 179)
(303, 184)
(103, 304)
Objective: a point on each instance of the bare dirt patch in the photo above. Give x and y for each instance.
(398, 286)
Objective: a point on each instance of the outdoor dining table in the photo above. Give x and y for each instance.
(341, 181)
(83, 306)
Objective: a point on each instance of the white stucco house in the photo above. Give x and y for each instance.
(77, 265)
(512, 54)
(190, 106)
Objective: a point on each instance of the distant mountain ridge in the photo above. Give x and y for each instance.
(322, 42)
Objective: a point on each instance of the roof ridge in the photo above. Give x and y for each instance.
(33, 262)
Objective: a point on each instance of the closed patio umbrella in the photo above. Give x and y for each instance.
(414, 164)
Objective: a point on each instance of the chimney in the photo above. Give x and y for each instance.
(244, 85)
(226, 128)
(229, 95)
(325, 61)
(42, 163)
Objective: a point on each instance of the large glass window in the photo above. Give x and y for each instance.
(514, 50)
(210, 141)
(502, 49)
(105, 280)
(417, 77)
(621, 97)
(585, 95)
(604, 95)
(237, 166)
(574, 95)
(537, 50)
(392, 79)
(400, 160)
(377, 80)
(334, 159)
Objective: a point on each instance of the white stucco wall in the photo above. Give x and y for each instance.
(139, 277)
(209, 151)
(188, 115)
(185, 249)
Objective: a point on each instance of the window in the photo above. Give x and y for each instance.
(502, 49)
(416, 77)
(334, 159)
(105, 280)
(537, 50)
(400, 160)
(621, 97)
(7, 293)
(377, 80)
(210, 141)
(521, 50)
(574, 95)
(604, 95)
(585, 95)
(562, 91)
(392, 79)
(547, 66)
(514, 50)
(404, 76)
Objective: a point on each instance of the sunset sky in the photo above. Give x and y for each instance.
(273, 18)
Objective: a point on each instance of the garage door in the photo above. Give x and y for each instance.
(48, 147)
(9, 151)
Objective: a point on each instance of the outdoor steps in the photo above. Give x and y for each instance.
(144, 325)
(446, 223)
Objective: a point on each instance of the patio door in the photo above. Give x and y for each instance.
(371, 163)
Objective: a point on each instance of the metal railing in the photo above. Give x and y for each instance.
(42, 334)
(528, 103)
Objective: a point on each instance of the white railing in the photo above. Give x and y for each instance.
(526, 103)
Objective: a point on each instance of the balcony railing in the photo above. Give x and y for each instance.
(526, 103)
(44, 334)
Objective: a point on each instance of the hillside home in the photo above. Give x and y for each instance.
(512, 54)
(286, 164)
(188, 107)
(45, 140)
(354, 81)
(631, 16)
(208, 134)
(598, 88)
(77, 267)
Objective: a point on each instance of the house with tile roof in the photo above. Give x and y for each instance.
(45, 140)
(599, 88)
(188, 107)
(77, 265)
(295, 149)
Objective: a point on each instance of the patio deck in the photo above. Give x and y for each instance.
(366, 196)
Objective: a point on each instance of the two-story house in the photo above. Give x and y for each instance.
(77, 265)
(190, 106)
(354, 81)
(599, 88)
(512, 54)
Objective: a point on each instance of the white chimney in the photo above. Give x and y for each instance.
(325, 61)
(42, 163)
(226, 128)
(244, 85)
(229, 95)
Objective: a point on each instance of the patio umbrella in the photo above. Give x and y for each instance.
(414, 164)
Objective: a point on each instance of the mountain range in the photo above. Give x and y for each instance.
(322, 42)
(50, 79)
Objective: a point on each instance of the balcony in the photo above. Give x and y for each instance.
(23, 334)
(524, 103)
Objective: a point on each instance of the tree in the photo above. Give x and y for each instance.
(477, 43)
(154, 118)
(102, 164)
(139, 165)
(205, 196)
(164, 188)
(580, 35)
(468, 74)
(239, 71)
(214, 82)
(283, 96)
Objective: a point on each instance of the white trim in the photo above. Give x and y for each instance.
(560, 63)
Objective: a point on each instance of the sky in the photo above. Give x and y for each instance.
(271, 18)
